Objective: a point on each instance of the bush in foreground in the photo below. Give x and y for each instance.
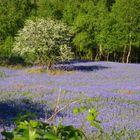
(37, 130)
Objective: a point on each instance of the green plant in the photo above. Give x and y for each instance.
(92, 119)
(43, 41)
(34, 130)
(91, 116)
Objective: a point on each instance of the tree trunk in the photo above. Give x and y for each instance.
(107, 58)
(128, 55)
(97, 55)
(100, 51)
(129, 51)
(49, 66)
(124, 51)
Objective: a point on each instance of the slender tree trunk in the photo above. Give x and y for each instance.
(124, 51)
(130, 48)
(49, 66)
(128, 55)
(100, 51)
(107, 58)
(97, 55)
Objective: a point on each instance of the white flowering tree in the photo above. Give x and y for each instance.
(43, 42)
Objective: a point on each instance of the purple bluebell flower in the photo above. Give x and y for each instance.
(113, 89)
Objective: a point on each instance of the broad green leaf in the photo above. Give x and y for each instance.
(51, 136)
(75, 111)
(34, 123)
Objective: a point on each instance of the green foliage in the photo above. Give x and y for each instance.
(12, 16)
(33, 130)
(37, 130)
(103, 29)
(71, 11)
(92, 119)
(54, 8)
(13, 13)
(124, 25)
(91, 116)
(6, 47)
(79, 110)
(69, 132)
(84, 27)
(43, 42)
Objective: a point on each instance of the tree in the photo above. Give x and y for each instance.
(12, 16)
(6, 47)
(51, 8)
(43, 42)
(84, 26)
(101, 16)
(71, 11)
(126, 15)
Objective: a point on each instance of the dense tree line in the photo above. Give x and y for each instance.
(102, 29)
(12, 16)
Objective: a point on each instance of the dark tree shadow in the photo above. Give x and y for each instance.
(83, 67)
(10, 109)
(75, 62)
(89, 68)
(15, 60)
(79, 65)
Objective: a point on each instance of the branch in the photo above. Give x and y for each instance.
(49, 119)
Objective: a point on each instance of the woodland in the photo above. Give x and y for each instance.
(102, 30)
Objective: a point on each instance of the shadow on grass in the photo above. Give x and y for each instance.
(79, 65)
(75, 62)
(83, 68)
(9, 110)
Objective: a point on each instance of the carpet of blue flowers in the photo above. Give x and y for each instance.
(112, 88)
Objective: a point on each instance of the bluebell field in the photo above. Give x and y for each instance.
(112, 88)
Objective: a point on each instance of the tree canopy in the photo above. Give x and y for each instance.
(43, 42)
(102, 29)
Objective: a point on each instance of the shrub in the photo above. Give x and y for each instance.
(43, 42)
(36, 130)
